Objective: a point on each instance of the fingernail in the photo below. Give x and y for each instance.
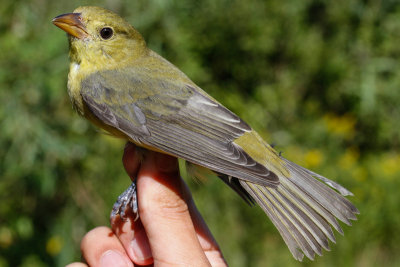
(113, 258)
(140, 246)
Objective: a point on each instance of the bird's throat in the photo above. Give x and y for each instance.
(74, 82)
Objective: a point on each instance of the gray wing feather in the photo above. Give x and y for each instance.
(174, 117)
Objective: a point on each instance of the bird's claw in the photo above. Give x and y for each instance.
(127, 200)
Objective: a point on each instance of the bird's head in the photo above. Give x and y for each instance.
(100, 37)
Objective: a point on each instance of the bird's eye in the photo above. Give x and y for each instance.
(106, 33)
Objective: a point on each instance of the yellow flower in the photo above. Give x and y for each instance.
(390, 164)
(360, 174)
(313, 158)
(54, 245)
(6, 237)
(342, 126)
(349, 158)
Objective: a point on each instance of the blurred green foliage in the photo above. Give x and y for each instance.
(320, 79)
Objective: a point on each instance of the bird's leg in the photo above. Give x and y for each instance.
(127, 200)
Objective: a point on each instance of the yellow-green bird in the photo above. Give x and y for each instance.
(125, 88)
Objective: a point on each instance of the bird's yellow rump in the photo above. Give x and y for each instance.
(122, 86)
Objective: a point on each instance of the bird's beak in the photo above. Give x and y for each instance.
(72, 24)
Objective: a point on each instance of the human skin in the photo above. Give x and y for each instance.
(170, 230)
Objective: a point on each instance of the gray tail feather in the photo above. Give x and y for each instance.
(304, 209)
(199, 174)
(234, 183)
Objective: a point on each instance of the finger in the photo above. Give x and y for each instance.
(100, 247)
(76, 264)
(131, 160)
(133, 238)
(206, 239)
(165, 214)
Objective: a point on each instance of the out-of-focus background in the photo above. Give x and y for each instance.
(320, 79)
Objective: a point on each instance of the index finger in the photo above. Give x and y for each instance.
(165, 214)
(162, 172)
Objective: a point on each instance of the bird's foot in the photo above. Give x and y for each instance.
(127, 200)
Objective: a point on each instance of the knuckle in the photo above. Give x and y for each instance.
(166, 204)
(171, 208)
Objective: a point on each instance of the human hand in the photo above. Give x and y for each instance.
(170, 230)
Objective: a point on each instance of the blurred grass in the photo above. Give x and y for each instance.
(318, 79)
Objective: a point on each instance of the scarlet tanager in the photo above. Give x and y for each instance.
(125, 88)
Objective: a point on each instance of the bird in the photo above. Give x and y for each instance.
(122, 86)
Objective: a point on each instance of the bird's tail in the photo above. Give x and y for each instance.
(303, 209)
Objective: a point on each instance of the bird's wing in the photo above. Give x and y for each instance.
(175, 117)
